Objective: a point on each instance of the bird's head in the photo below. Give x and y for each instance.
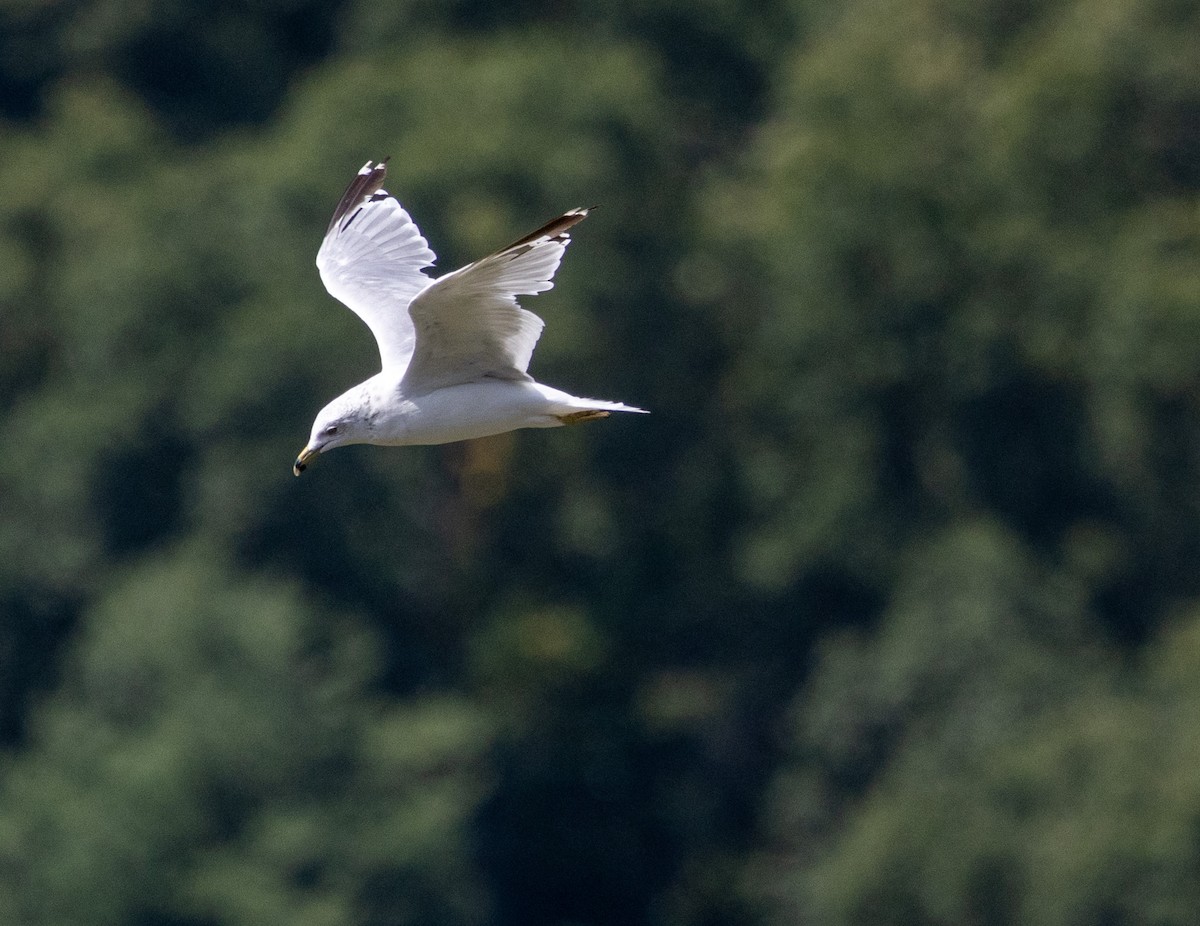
(343, 421)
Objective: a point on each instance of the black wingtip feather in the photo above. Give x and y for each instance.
(554, 230)
(364, 185)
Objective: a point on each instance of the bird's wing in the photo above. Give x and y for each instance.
(373, 259)
(468, 322)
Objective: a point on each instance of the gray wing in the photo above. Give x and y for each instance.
(373, 260)
(468, 323)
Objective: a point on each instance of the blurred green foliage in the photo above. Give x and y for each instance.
(889, 614)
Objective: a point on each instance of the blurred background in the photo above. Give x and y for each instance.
(888, 615)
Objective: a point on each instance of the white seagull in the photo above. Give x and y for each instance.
(454, 349)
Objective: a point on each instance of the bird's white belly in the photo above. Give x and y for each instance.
(468, 411)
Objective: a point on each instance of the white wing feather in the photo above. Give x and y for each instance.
(468, 323)
(373, 260)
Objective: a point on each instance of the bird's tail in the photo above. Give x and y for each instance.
(601, 405)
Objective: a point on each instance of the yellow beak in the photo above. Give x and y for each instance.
(301, 463)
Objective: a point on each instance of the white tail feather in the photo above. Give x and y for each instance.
(602, 405)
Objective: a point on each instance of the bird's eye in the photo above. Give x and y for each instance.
(331, 430)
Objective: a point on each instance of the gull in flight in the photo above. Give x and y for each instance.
(454, 349)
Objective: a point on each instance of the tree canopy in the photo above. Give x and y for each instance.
(888, 614)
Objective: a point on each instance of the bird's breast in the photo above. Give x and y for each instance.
(462, 412)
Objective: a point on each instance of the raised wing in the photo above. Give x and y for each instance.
(373, 259)
(468, 323)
